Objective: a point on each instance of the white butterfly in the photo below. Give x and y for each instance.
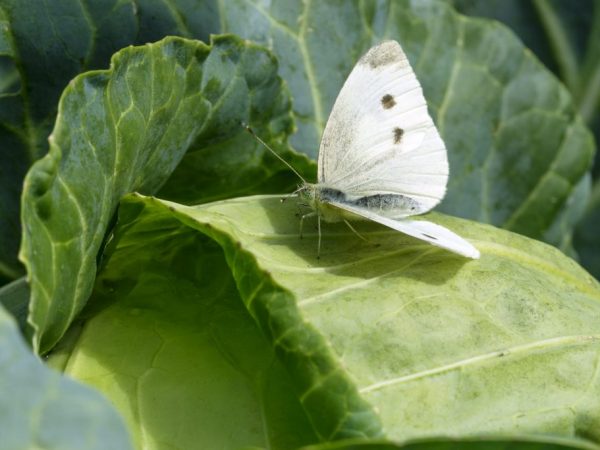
(381, 156)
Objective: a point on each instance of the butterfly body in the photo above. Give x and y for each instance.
(322, 199)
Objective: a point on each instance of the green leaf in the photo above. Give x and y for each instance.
(226, 162)
(402, 333)
(187, 18)
(586, 239)
(80, 36)
(567, 37)
(523, 19)
(125, 129)
(76, 36)
(14, 297)
(562, 231)
(487, 443)
(564, 36)
(530, 21)
(41, 409)
(13, 160)
(516, 146)
(166, 322)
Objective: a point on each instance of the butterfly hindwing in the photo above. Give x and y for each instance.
(379, 138)
(426, 231)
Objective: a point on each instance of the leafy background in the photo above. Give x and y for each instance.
(79, 36)
(520, 158)
(566, 37)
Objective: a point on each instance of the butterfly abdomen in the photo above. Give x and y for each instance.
(388, 205)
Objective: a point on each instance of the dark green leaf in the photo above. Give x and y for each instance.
(524, 19)
(42, 47)
(567, 37)
(14, 297)
(123, 130)
(587, 237)
(188, 18)
(562, 230)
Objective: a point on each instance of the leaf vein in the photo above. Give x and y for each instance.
(550, 343)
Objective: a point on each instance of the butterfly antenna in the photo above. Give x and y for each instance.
(249, 130)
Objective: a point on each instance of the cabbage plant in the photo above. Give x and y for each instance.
(158, 295)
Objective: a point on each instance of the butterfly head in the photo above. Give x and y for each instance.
(320, 198)
(308, 194)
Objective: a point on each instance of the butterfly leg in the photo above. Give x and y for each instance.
(319, 240)
(302, 217)
(300, 211)
(358, 234)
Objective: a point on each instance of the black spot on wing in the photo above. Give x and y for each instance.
(388, 101)
(398, 133)
(433, 238)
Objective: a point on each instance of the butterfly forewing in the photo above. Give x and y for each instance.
(380, 138)
(381, 156)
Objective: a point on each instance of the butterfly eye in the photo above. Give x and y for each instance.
(388, 101)
(398, 133)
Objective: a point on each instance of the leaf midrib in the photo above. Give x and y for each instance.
(551, 343)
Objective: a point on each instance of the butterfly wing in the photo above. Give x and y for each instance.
(427, 231)
(380, 138)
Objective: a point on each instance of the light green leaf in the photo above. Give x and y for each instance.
(167, 335)
(487, 443)
(40, 409)
(428, 343)
(123, 130)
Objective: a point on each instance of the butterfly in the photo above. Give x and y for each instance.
(381, 157)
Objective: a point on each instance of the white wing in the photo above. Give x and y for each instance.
(427, 231)
(380, 138)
